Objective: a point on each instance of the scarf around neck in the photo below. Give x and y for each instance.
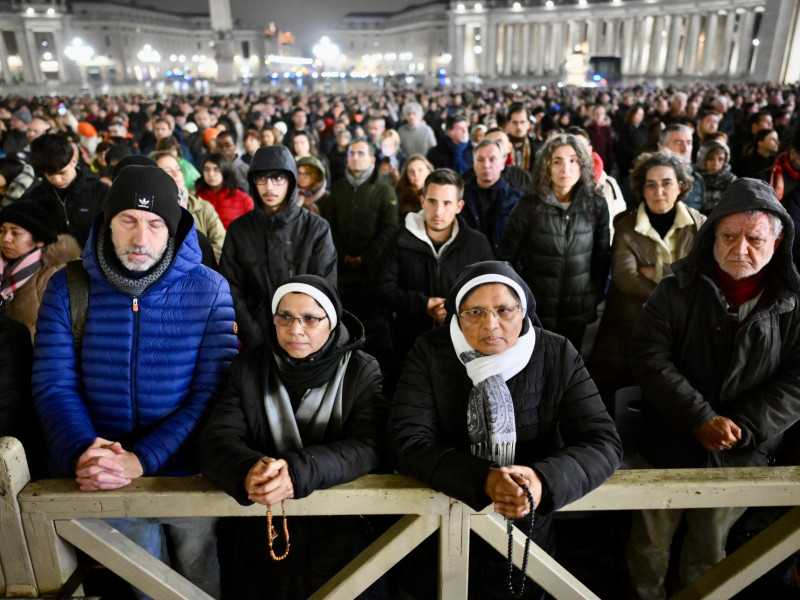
(782, 167)
(319, 411)
(460, 164)
(16, 273)
(356, 182)
(121, 278)
(490, 410)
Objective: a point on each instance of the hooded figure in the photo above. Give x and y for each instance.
(302, 412)
(491, 400)
(312, 182)
(717, 355)
(275, 241)
(718, 181)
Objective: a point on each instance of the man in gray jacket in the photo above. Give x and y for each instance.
(717, 354)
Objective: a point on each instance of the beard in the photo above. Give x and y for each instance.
(138, 266)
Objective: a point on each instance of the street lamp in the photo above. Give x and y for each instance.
(326, 50)
(80, 53)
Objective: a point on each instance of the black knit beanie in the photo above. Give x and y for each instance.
(32, 216)
(144, 188)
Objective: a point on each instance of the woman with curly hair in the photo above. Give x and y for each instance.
(217, 184)
(558, 237)
(647, 240)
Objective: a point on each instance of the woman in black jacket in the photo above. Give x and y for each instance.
(558, 236)
(301, 413)
(491, 401)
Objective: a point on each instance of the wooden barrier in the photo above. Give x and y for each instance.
(55, 516)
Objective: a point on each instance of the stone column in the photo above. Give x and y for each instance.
(690, 54)
(28, 54)
(778, 56)
(710, 47)
(674, 45)
(458, 51)
(526, 49)
(489, 43)
(559, 30)
(5, 73)
(641, 66)
(627, 49)
(656, 43)
(508, 53)
(745, 42)
(724, 65)
(540, 60)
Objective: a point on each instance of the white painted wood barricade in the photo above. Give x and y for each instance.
(42, 522)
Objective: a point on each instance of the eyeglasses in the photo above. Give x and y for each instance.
(306, 321)
(358, 153)
(476, 315)
(275, 178)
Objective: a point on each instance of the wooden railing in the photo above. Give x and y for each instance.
(42, 522)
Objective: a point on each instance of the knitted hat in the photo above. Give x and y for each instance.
(209, 134)
(32, 216)
(24, 115)
(133, 159)
(312, 161)
(86, 129)
(145, 188)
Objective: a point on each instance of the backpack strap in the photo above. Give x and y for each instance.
(78, 287)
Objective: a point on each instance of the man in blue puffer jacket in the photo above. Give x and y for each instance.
(158, 342)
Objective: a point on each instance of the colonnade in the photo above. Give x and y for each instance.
(711, 39)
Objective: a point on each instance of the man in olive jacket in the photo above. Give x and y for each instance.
(362, 212)
(717, 354)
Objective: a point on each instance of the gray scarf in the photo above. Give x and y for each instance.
(357, 181)
(131, 286)
(319, 412)
(490, 418)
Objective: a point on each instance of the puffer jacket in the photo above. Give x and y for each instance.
(263, 250)
(83, 200)
(563, 431)
(237, 434)
(24, 306)
(410, 273)
(145, 377)
(692, 366)
(563, 255)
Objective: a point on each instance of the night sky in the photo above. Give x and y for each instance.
(304, 18)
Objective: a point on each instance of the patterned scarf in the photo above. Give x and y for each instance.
(490, 410)
(112, 269)
(14, 274)
(525, 151)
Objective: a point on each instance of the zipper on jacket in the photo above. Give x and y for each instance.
(134, 361)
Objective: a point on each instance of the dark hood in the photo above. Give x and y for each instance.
(273, 158)
(490, 267)
(743, 195)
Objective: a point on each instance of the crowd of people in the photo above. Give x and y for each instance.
(287, 291)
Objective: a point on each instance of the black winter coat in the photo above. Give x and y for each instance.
(692, 366)
(563, 430)
(263, 250)
(410, 274)
(83, 200)
(237, 433)
(563, 255)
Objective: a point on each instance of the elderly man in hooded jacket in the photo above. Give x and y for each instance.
(275, 241)
(717, 354)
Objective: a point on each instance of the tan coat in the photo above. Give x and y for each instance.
(24, 306)
(207, 222)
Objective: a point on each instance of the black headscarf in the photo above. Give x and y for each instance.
(490, 267)
(299, 375)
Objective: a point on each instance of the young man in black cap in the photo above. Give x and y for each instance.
(159, 338)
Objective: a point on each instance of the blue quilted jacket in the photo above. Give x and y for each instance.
(146, 377)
